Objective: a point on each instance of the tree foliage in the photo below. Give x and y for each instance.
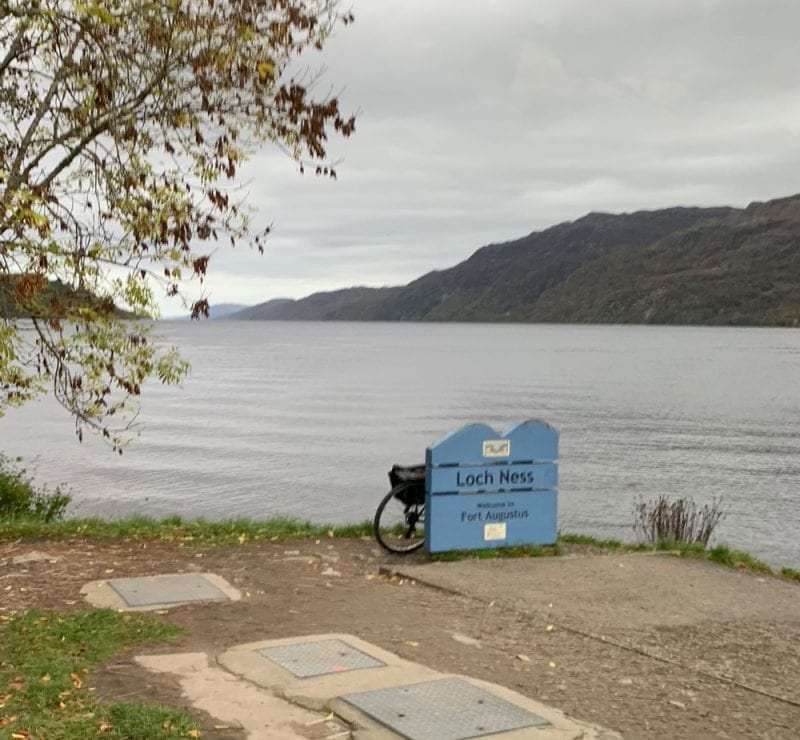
(123, 125)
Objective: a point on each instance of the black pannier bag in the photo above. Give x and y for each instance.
(413, 494)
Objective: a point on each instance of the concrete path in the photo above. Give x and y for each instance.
(606, 594)
(270, 702)
(713, 620)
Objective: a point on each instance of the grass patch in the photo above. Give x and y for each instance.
(175, 529)
(724, 555)
(678, 547)
(791, 574)
(497, 553)
(583, 539)
(46, 658)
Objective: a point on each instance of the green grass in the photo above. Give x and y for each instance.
(583, 539)
(724, 555)
(46, 660)
(174, 529)
(496, 553)
(791, 574)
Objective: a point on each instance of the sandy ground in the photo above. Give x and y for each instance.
(649, 645)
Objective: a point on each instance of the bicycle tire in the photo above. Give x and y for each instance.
(388, 520)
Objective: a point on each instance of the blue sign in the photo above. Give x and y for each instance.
(485, 489)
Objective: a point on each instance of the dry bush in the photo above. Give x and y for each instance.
(676, 521)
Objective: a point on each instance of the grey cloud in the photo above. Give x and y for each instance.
(480, 122)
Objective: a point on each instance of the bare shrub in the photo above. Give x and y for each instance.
(676, 521)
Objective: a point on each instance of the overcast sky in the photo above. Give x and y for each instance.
(483, 121)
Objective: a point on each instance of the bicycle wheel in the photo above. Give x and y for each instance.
(400, 527)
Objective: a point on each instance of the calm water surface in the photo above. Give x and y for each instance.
(305, 419)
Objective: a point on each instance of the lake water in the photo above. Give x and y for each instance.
(305, 419)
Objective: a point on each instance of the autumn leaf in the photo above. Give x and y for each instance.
(265, 70)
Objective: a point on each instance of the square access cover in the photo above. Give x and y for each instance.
(309, 659)
(446, 709)
(172, 589)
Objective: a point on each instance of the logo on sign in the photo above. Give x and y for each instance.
(497, 448)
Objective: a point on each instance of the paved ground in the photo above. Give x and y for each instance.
(651, 646)
(716, 621)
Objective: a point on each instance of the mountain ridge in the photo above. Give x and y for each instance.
(678, 265)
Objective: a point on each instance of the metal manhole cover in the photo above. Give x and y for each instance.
(447, 709)
(171, 589)
(308, 659)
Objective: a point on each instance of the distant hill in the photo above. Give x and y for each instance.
(224, 310)
(27, 296)
(672, 266)
(353, 304)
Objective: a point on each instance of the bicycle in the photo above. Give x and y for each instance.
(399, 521)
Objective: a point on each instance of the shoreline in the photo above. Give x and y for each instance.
(202, 533)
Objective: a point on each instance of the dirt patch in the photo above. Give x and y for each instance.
(654, 679)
